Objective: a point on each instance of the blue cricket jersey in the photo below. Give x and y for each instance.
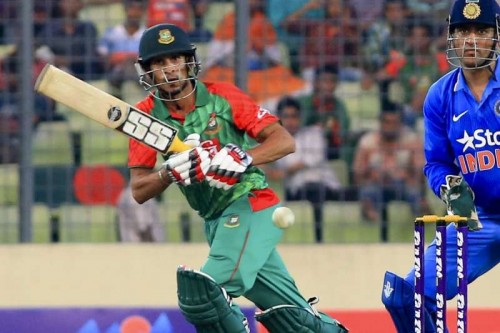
(462, 135)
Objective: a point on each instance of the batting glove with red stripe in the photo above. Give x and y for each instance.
(227, 166)
(188, 167)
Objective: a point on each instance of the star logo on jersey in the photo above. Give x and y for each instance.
(388, 289)
(467, 141)
(232, 222)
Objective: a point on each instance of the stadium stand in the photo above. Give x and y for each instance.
(302, 231)
(81, 223)
(9, 180)
(9, 228)
(343, 224)
(52, 144)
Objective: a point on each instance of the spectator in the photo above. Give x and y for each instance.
(7, 21)
(10, 98)
(332, 41)
(386, 35)
(198, 33)
(423, 64)
(138, 222)
(305, 173)
(388, 166)
(278, 11)
(367, 11)
(433, 10)
(120, 45)
(322, 108)
(383, 44)
(187, 14)
(43, 11)
(74, 42)
(263, 50)
(176, 12)
(268, 77)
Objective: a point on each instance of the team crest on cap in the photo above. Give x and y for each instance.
(165, 36)
(472, 10)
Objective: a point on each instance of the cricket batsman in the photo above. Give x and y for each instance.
(221, 179)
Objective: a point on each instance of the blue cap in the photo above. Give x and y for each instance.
(474, 12)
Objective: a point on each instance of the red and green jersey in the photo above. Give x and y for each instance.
(223, 115)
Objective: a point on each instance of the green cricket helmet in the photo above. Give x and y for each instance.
(164, 40)
(484, 13)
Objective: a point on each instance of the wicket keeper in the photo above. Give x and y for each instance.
(462, 149)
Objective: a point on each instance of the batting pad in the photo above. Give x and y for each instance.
(206, 305)
(398, 298)
(293, 319)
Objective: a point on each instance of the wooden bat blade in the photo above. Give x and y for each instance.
(108, 110)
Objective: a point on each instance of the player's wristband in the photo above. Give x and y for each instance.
(162, 180)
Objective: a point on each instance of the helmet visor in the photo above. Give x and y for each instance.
(472, 46)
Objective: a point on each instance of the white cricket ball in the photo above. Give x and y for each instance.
(283, 217)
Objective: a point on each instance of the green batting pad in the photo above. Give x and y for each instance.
(206, 305)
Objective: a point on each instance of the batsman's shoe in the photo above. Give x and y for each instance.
(294, 319)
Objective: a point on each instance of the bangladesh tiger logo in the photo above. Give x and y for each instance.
(213, 126)
(232, 222)
(165, 36)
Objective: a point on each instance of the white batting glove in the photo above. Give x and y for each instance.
(193, 140)
(190, 166)
(227, 166)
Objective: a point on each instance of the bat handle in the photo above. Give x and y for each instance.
(179, 146)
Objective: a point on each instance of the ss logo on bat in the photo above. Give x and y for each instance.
(146, 129)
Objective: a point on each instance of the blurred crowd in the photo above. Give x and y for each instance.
(347, 77)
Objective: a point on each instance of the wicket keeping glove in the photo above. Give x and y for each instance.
(190, 166)
(227, 166)
(459, 199)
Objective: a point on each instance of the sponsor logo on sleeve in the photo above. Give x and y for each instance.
(262, 113)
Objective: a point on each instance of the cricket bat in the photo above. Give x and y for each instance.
(108, 110)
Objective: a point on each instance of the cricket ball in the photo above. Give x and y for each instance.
(283, 217)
